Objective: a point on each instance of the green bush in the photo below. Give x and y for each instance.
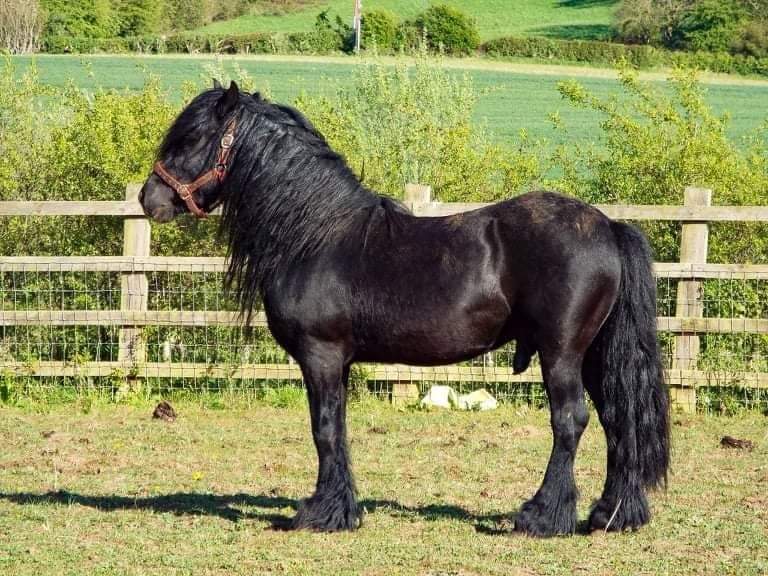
(710, 25)
(652, 145)
(76, 147)
(81, 18)
(408, 37)
(652, 22)
(226, 9)
(379, 29)
(137, 17)
(184, 14)
(753, 40)
(413, 124)
(328, 34)
(448, 29)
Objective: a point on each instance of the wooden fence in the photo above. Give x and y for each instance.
(686, 325)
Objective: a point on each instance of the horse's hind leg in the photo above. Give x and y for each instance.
(333, 506)
(623, 503)
(553, 509)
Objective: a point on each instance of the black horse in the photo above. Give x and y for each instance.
(346, 275)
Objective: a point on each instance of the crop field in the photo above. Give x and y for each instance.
(512, 97)
(555, 18)
(103, 489)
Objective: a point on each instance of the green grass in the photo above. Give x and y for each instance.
(557, 18)
(512, 100)
(114, 492)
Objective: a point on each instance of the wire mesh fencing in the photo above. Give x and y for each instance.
(64, 324)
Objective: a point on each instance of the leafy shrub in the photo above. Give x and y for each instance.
(137, 17)
(636, 22)
(82, 19)
(226, 9)
(413, 125)
(76, 147)
(448, 29)
(649, 21)
(710, 25)
(333, 34)
(717, 26)
(408, 37)
(379, 28)
(753, 40)
(653, 145)
(184, 14)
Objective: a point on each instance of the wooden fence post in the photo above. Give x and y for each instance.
(694, 241)
(404, 392)
(416, 193)
(134, 287)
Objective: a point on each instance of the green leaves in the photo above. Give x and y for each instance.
(654, 142)
(412, 123)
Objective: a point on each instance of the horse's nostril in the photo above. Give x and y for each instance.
(164, 213)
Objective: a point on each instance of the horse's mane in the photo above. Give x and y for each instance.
(287, 194)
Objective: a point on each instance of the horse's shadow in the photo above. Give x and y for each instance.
(236, 507)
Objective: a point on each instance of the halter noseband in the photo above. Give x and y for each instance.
(218, 173)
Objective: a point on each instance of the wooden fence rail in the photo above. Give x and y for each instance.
(136, 262)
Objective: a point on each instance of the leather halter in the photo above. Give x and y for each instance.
(218, 173)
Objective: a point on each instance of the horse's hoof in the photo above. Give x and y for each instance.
(538, 518)
(617, 516)
(326, 514)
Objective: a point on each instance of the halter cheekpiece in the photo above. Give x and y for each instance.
(218, 173)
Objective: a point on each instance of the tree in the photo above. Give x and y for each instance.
(650, 21)
(711, 25)
(20, 24)
(448, 29)
(79, 18)
(137, 17)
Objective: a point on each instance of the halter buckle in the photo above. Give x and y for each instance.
(184, 192)
(227, 141)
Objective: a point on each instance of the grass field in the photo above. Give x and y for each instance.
(113, 492)
(511, 100)
(556, 18)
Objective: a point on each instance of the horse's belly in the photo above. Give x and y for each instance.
(434, 339)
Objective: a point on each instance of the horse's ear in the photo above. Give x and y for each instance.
(256, 95)
(216, 84)
(229, 99)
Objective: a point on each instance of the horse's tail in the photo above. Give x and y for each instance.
(624, 363)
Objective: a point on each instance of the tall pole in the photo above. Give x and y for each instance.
(356, 23)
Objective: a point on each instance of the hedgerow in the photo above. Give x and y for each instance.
(611, 53)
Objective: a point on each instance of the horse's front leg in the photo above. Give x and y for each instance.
(333, 506)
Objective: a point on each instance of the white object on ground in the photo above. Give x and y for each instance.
(440, 397)
(478, 400)
(446, 397)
